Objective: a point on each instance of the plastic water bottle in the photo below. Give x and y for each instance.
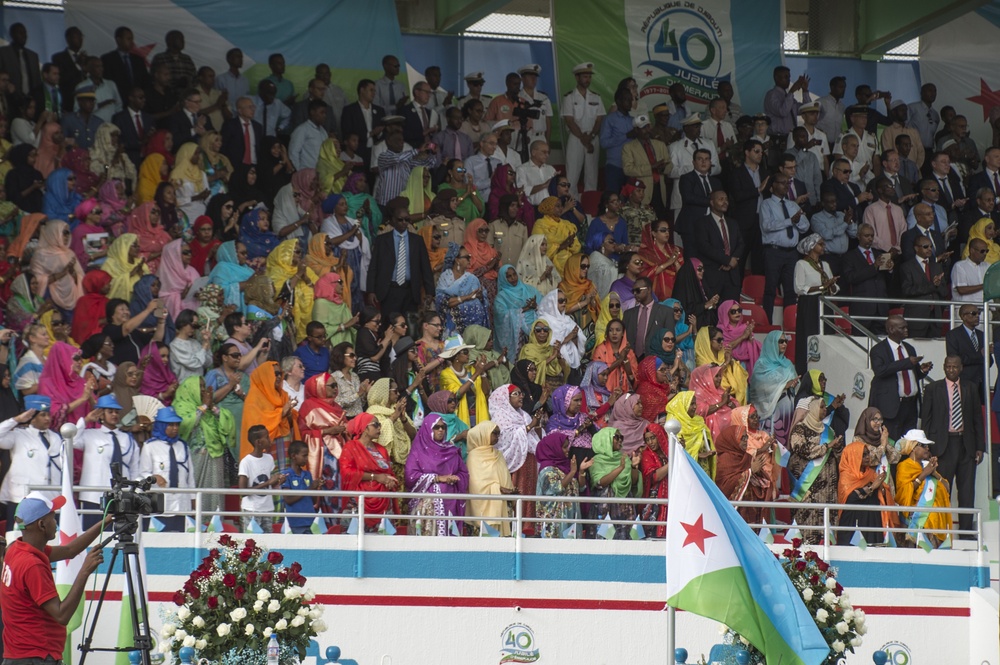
(272, 651)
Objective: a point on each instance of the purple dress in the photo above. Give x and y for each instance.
(427, 459)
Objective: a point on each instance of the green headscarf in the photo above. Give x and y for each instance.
(479, 336)
(607, 459)
(218, 432)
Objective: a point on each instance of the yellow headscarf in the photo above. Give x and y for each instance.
(280, 268)
(694, 430)
(328, 166)
(393, 435)
(734, 377)
(487, 474)
(539, 353)
(605, 316)
(978, 231)
(318, 261)
(184, 170)
(418, 194)
(46, 320)
(149, 178)
(212, 157)
(556, 231)
(120, 268)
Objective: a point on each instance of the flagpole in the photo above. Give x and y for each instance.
(673, 428)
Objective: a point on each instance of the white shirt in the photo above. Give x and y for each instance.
(967, 273)
(154, 460)
(899, 376)
(585, 110)
(511, 157)
(537, 129)
(831, 117)
(257, 470)
(299, 394)
(710, 133)
(30, 462)
(529, 176)
(682, 161)
(821, 150)
(867, 147)
(98, 451)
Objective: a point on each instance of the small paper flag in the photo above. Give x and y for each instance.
(793, 532)
(485, 530)
(253, 527)
(453, 526)
(352, 528)
(766, 535)
(286, 527)
(569, 532)
(189, 524)
(317, 526)
(946, 543)
(386, 528)
(858, 540)
(890, 539)
(215, 526)
(155, 525)
(606, 530)
(637, 532)
(923, 543)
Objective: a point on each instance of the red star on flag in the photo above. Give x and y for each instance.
(648, 73)
(697, 533)
(65, 538)
(143, 52)
(986, 98)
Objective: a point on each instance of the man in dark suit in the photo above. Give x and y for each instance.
(720, 253)
(895, 387)
(356, 118)
(124, 67)
(647, 315)
(420, 121)
(925, 226)
(134, 125)
(952, 417)
(695, 188)
(300, 110)
(990, 175)
(923, 278)
(17, 57)
(47, 96)
(849, 195)
(235, 132)
(901, 185)
(969, 344)
(866, 275)
(953, 196)
(984, 206)
(71, 64)
(396, 285)
(746, 186)
(189, 124)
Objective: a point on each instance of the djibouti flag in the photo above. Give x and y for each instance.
(66, 571)
(717, 567)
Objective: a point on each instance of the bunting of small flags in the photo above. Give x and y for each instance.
(923, 543)
(386, 528)
(286, 527)
(352, 528)
(890, 539)
(858, 540)
(766, 535)
(189, 524)
(606, 530)
(254, 527)
(317, 526)
(570, 532)
(946, 543)
(637, 532)
(793, 532)
(453, 526)
(155, 525)
(215, 525)
(485, 530)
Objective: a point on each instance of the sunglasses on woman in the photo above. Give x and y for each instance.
(538, 330)
(668, 339)
(444, 427)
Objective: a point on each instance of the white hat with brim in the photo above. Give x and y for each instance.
(453, 345)
(693, 119)
(918, 436)
(584, 68)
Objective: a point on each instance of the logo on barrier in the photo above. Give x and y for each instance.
(683, 44)
(813, 346)
(517, 645)
(859, 391)
(899, 653)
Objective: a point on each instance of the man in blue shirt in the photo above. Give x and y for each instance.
(616, 130)
(314, 353)
(781, 222)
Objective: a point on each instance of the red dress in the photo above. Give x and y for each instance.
(650, 462)
(652, 255)
(357, 460)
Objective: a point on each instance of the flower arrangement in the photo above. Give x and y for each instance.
(236, 599)
(842, 626)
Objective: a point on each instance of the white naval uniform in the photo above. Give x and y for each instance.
(98, 451)
(155, 461)
(30, 462)
(585, 111)
(537, 131)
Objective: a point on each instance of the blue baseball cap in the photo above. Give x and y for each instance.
(108, 402)
(34, 507)
(167, 415)
(38, 402)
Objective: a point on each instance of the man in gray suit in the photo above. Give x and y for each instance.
(20, 61)
(646, 317)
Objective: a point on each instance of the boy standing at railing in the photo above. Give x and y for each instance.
(257, 473)
(297, 477)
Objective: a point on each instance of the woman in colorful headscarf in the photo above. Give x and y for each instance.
(419, 193)
(566, 333)
(919, 484)
(331, 170)
(560, 235)
(662, 258)
(709, 349)
(203, 245)
(158, 379)
(534, 266)
(653, 384)
(481, 339)
(655, 468)
(161, 142)
(145, 291)
(865, 480)
(569, 416)
(256, 234)
(519, 434)
(627, 418)
(231, 273)
(615, 473)
(611, 309)
(190, 181)
(72, 395)
(737, 332)
(746, 463)
(115, 206)
(695, 435)
(459, 293)
(209, 431)
(603, 270)
(56, 267)
(685, 331)
(484, 260)
(322, 259)
(397, 430)
(58, 328)
(838, 416)
(715, 403)
(984, 230)
(550, 365)
(179, 281)
(330, 309)
(108, 158)
(814, 454)
(504, 183)
(284, 265)
(598, 399)
(348, 243)
(435, 466)
(559, 475)
(216, 166)
(365, 467)
(524, 375)
(144, 222)
(470, 206)
(77, 160)
(433, 239)
(90, 308)
(488, 474)
(125, 265)
(60, 200)
(444, 403)
(24, 183)
(361, 205)
(582, 300)
(268, 404)
(154, 170)
(772, 386)
(88, 214)
(323, 424)
(615, 352)
(696, 296)
(51, 146)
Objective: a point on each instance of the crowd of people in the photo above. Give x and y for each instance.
(285, 290)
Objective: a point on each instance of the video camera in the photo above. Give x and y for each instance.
(130, 499)
(525, 110)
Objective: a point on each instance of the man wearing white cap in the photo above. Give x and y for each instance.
(102, 447)
(475, 81)
(505, 153)
(583, 112)
(35, 452)
(542, 127)
(816, 141)
(35, 617)
(648, 160)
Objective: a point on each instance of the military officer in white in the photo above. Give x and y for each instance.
(682, 156)
(475, 81)
(35, 452)
(168, 459)
(583, 111)
(102, 447)
(541, 127)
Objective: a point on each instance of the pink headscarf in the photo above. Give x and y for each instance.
(175, 277)
(326, 288)
(83, 229)
(52, 255)
(305, 186)
(48, 157)
(749, 349)
(111, 203)
(59, 382)
(157, 377)
(151, 238)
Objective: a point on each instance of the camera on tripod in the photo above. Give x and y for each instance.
(525, 111)
(130, 499)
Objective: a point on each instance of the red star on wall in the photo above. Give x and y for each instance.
(986, 98)
(648, 73)
(697, 533)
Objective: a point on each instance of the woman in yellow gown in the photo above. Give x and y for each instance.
(559, 234)
(285, 264)
(917, 483)
(710, 350)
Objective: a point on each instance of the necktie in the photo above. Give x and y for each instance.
(956, 409)
(725, 236)
(719, 138)
(868, 256)
(25, 83)
(946, 190)
(927, 269)
(392, 95)
(906, 373)
(265, 122)
(893, 238)
(996, 184)
(640, 330)
(423, 117)
(128, 68)
(975, 340)
(706, 186)
(784, 211)
(174, 469)
(489, 167)
(651, 156)
(139, 130)
(456, 149)
(116, 450)
(791, 190)
(930, 239)
(247, 155)
(401, 257)
(44, 438)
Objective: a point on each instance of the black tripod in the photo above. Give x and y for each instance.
(124, 533)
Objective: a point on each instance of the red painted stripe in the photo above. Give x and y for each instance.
(547, 604)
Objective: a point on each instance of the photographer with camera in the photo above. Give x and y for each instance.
(35, 452)
(34, 617)
(102, 447)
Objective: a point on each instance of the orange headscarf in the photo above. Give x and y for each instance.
(574, 285)
(854, 474)
(481, 252)
(263, 405)
(436, 255)
(317, 259)
(49, 152)
(29, 224)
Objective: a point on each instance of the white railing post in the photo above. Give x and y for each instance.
(361, 537)
(826, 534)
(988, 415)
(518, 535)
(197, 523)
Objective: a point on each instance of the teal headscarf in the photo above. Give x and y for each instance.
(228, 273)
(770, 374)
(681, 326)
